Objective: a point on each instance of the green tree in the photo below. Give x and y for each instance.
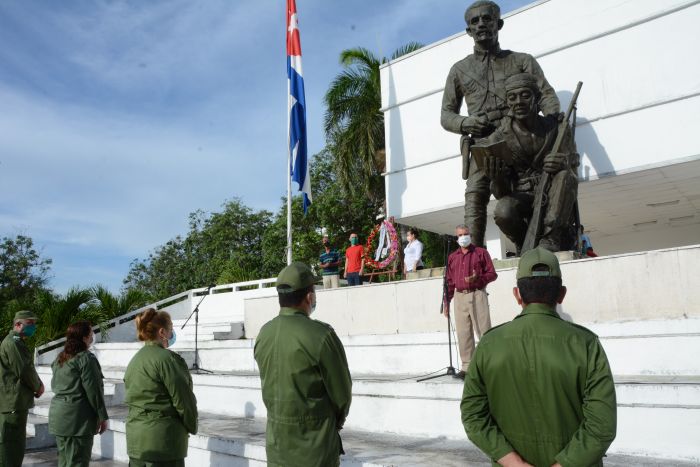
(354, 124)
(220, 247)
(23, 271)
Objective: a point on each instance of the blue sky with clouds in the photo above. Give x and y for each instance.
(121, 117)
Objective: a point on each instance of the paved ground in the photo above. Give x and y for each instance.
(360, 447)
(49, 458)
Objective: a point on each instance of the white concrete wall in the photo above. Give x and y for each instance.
(638, 106)
(651, 285)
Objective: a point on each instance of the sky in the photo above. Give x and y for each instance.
(119, 118)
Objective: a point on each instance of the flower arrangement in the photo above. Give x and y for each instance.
(393, 246)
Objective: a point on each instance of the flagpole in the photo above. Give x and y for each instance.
(289, 184)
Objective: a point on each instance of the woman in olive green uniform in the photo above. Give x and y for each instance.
(78, 409)
(162, 406)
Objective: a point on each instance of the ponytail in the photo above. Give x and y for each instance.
(150, 321)
(75, 340)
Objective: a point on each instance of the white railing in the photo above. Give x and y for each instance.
(165, 303)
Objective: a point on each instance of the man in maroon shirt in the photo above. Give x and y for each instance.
(469, 270)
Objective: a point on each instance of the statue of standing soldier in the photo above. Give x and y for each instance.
(530, 139)
(479, 80)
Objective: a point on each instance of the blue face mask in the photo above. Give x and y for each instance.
(29, 330)
(172, 339)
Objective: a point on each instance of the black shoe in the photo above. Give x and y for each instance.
(460, 375)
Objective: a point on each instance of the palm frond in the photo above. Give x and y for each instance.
(406, 49)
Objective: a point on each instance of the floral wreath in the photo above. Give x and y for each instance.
(393, 246)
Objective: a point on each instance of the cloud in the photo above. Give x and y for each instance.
(123, 117)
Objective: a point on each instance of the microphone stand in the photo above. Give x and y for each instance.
(195, 365)
(450, 371)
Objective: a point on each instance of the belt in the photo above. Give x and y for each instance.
(465, 291)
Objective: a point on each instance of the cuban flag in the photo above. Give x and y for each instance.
(299, 169)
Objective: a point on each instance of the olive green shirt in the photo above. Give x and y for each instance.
(542, 387)
(162, 406)
(479, 80)
(306, 387)
(18, 378)
(78, 404)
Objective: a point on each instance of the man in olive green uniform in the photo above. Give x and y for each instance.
(479, 80)
(539, 390)
(306, 383)
(19, 385)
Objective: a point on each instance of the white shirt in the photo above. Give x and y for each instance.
(412, 255)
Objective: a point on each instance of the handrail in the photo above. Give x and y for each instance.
(177, 298)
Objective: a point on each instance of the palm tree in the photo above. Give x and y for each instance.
(354, 125)
(56, 312)
(112, 306)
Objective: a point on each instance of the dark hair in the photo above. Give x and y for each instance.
(540, 289)
(413, 231)
(150, 322)
(75, 344)
(293, 298)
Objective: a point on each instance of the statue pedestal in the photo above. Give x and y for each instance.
(497, 263)
(513, 262)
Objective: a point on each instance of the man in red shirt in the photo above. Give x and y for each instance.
(469, 270)
(354, 264)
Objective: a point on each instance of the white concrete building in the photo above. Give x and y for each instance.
(637, 115)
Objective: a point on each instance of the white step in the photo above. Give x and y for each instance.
(38, 436)
(118, 354)
(665, 410)
(114, 387)
(208, 330)
(422, 353)
(632, 348)
(240, 441)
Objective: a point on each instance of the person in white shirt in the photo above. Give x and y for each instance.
(413, 252)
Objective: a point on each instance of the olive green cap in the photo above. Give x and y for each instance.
(296, 276)
(535, 257)
(26, 314)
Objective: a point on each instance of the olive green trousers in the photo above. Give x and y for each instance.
(13, 438)
(138, 463)
(74, 451)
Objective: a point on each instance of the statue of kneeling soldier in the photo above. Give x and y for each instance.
(529, 137)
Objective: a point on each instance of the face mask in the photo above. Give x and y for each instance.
(353, 241)
(464, 240)
(172, 339)
(29, 330)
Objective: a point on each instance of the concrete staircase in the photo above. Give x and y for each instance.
(658, 391)
(392, 335)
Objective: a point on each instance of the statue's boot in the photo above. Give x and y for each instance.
(476, 198)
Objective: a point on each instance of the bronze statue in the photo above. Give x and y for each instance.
(479, 80)
(542, 155)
